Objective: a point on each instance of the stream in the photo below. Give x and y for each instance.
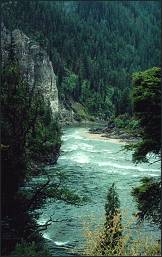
(92, 165)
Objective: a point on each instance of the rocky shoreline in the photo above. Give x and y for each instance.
(112, 132)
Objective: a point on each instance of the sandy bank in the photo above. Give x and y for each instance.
(102, 137)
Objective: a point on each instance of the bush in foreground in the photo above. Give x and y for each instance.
(125, 246)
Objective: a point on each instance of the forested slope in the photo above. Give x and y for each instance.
(94, 46)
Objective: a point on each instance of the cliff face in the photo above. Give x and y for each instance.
(36, 69)
(34, 62)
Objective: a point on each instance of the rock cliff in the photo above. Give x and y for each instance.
(34, 62)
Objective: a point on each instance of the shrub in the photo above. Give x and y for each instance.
(125, 246)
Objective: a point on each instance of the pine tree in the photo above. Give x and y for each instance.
(113, 227)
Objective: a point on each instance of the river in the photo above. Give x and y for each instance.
(92, 165)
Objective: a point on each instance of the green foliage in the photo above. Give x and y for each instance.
(133, 125)
(29, 249)
(113, 228)
(30, 137)
(122, 121)
(88, 50)
(68, 86)
(27, 125)
(112, 203)
(66, 195)
(147, 112)
(14, 103)
(45, 140)
(147, 107)
(29, 134)
(148, 197)
(94, 46)
(80, 112)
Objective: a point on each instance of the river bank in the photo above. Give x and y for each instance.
(121, 130)
(113, 134)
(103, 137)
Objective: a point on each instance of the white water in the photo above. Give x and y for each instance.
(91, 167)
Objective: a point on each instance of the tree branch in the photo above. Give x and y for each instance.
(44, 226)
(38, 192)
(41, 227)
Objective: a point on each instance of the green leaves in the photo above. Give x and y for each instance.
(113, 227)
(66, 195)
(148, 196)
(147, 108)
(112, 202)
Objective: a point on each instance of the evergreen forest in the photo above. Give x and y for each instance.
(94, 47)
(80, 128)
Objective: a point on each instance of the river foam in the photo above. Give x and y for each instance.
(81, 158)
(59, 243)
(79, 146)
(91, 166)
(129, 167)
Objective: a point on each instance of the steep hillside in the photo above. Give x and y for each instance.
(94, 46)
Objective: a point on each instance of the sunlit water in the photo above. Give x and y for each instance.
(92, 165)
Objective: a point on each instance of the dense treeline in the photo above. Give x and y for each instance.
(94, 46)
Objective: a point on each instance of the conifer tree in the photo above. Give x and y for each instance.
(113, 227)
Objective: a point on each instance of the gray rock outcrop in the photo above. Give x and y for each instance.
(34, 62)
